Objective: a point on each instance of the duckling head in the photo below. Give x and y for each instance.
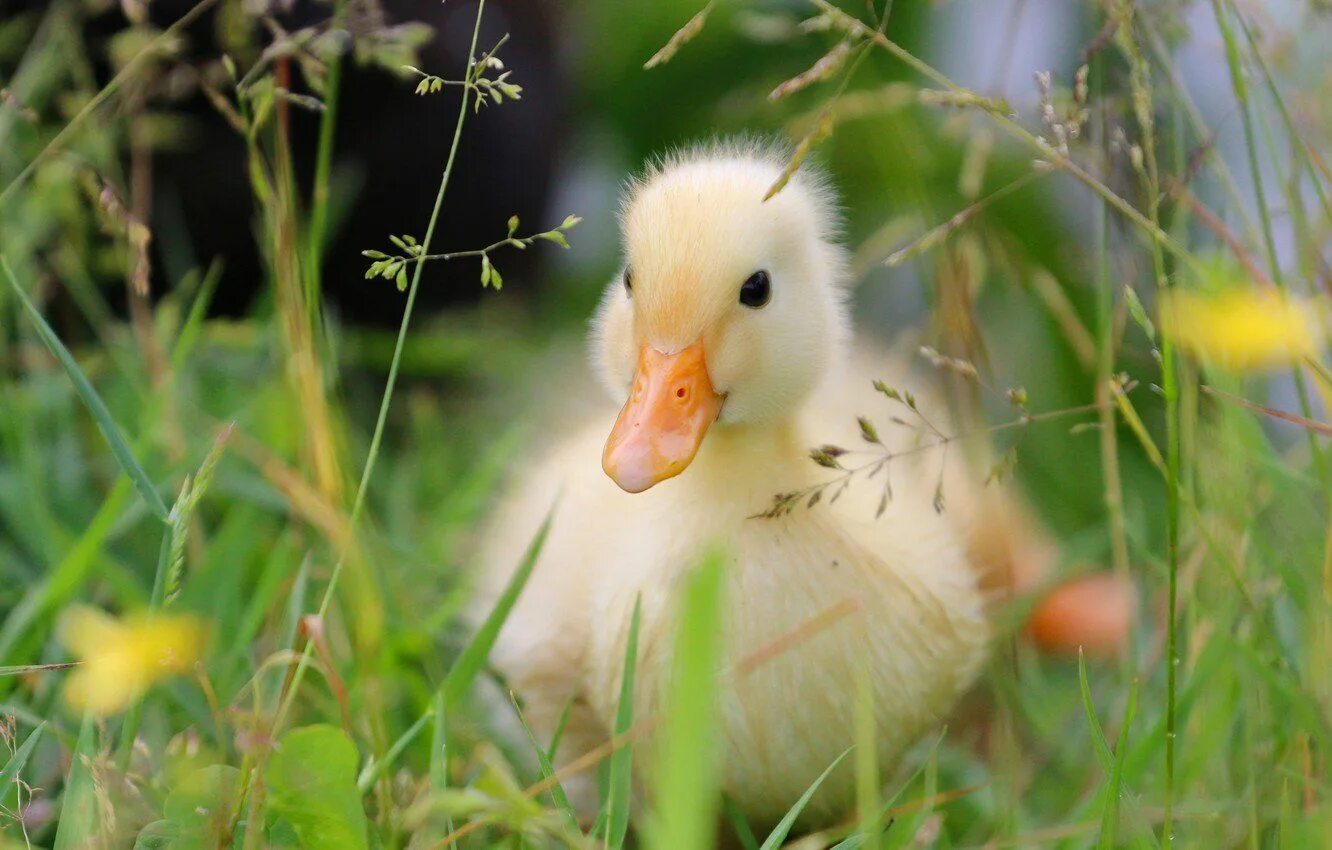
(729, 310)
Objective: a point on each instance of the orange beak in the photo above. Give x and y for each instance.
(662, 424)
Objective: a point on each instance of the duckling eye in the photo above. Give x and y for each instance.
(756, 291)
(628, 283)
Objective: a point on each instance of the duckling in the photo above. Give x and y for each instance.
(726, 340)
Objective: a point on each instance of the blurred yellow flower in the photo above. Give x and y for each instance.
(123, 658)
(1242, 329)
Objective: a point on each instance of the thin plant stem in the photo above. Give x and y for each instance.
(328, 121)
(1105, 363)
(373, 454)
(1143, 108)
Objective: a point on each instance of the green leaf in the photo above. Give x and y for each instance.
(495, 279)
(485, 270)
(93, 402)
(554, 236)
(619, 784)
(688, 777)
(1139, 313)
(157, 835)
(513, 224)
(469, 662)
(311, 780)
(570, 221)
(401, 279)
(197, 812)
(16, 762)
(867, 430)
(888, 391)
(783, 827)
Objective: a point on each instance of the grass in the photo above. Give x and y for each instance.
(199, 465)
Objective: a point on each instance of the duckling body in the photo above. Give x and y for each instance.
(917, 628)
(637, 512)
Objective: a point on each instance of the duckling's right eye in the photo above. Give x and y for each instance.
(756, 291)
(628, 283)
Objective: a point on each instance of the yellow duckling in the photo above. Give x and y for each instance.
(726, 340)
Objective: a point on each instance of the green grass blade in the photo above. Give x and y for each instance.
(296, 603)
(688, 778)
(783, 827)
(620, 780)
(563, 724)
(189, 330)
(16, 762)
(376, 767)
(1110, 818)
(439, 751)
(739, 825)
(79, 813)
(869, 787)
(1112, 763)
(469, 662)
(23, 669)
(557, 795)
(439, 754)
(93, 401)
(1103, 754)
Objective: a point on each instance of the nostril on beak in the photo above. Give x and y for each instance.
(681, 392)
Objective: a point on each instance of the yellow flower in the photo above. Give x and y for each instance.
(123, 658)
(1242, 329)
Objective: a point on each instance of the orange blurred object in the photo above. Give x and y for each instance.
(1094, 613)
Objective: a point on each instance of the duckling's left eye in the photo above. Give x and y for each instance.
(757, 291)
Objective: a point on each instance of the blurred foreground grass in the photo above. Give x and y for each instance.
(250, 490)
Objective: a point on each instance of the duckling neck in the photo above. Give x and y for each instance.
(753, 459)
